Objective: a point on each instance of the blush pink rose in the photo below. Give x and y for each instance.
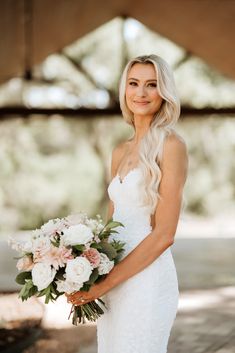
(93, 256)
(25, 264)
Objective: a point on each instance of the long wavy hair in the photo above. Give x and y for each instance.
(162, 124)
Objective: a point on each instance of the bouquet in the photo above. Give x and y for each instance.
(67, 255)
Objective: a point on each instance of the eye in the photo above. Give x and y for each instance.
(153, 84)
(132, 83)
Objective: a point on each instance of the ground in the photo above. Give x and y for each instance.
(204, 324)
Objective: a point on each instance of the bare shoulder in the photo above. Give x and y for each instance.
(175, 154)
(174, 139)
(175, 145)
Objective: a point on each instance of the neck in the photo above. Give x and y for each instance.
(142, 125)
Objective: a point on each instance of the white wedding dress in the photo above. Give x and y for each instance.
(141, 310)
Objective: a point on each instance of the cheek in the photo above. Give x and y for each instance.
(155, 96)
(129, 92)
(129, 95)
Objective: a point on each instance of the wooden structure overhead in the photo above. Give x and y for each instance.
(30, 30)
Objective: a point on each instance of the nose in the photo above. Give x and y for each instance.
(140, 92)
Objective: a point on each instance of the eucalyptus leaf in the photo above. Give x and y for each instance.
(108, 249)
(93, 276)
(86, 286)
(22, 277)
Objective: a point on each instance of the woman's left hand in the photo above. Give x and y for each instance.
(83, 297)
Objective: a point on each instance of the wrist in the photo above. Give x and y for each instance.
(103, 286)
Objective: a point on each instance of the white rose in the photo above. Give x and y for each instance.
(105, 265)
(78, 270)
(79, 234)
(68, 287)
(42, 275)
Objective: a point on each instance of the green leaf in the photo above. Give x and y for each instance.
(118, 245)
(114, 231)
(93, 276)
(41, 293)
(79, 247)
(85, 287)
(27, 290)
(105, 234)
(108, 249)
(54, 289)
(22, 291)
(95, 245)
(33, 291)
(113, 224)
(22, 277)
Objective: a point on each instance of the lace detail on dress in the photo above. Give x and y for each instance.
(140, 311)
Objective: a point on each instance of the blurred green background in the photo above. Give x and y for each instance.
(54, 164)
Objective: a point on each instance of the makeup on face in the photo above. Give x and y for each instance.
(142, 96)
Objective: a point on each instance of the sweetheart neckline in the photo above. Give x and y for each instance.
(121, 181)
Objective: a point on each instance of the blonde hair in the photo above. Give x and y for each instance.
(162, 124)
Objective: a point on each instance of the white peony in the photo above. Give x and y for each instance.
(105, 265)
(77, 234)
(42, 275)
(78, 270)
(68, 287)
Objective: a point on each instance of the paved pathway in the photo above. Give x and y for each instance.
(205, 323)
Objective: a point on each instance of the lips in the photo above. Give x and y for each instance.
(143, 103)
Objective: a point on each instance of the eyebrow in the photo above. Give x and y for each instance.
(135, 79)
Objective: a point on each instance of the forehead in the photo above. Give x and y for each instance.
(142, 71)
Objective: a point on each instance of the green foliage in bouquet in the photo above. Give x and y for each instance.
(29, 289)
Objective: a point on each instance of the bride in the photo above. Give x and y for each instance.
(146, 194)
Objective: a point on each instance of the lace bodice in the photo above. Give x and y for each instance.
(126, 197)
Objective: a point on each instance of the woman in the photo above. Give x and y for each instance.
(146, 192)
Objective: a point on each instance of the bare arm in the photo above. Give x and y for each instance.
(174, 174)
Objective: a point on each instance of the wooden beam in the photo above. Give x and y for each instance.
(186, 112)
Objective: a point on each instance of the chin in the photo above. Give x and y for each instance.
(142, 111)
